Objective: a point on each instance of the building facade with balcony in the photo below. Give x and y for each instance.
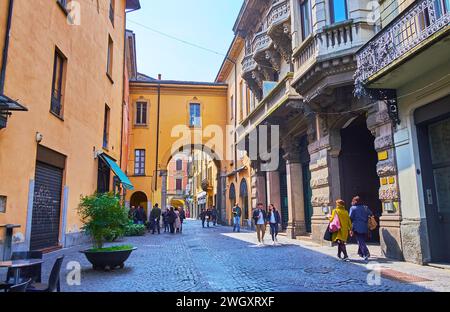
(405, 66)
(70, 77)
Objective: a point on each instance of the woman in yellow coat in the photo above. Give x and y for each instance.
(341, 236)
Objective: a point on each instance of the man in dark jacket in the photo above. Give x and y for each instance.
(141, 216)
(237, 213)
(203, 217)
(155, 219)
(182, 218)
(260, 217)
(208, 216)
(214, 215)
(171, 219)
(274, 220)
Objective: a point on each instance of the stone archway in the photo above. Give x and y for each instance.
(220, 178)
(139, 199)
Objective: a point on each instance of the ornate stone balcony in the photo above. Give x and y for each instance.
(277, 107)
(251, 74)
(279, 21)
(412, 30)
(265, 55)
(326, 59)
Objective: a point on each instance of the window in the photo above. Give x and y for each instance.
(111, 11)
(338, 9)
(179, 184)
(139, 162)
(232, 107)
(247, 99)
(305, 9)
(2, 204)
(179, 165)
(57, 84)
(241, 96)
(110, 58)
(194, 115)
(106, 126)
(141, 114)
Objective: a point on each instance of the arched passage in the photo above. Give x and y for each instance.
(358, 167)
(139, 199)
(206, 184)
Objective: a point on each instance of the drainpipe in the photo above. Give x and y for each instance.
(235, 114)
(6, 46)
(157, 131)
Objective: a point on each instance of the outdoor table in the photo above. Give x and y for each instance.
(17, 265)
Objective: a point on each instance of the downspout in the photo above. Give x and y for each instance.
(157, 132)
(6, 47)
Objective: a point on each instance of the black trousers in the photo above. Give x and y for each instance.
(172, 228)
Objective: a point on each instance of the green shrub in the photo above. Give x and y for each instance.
(110, 249)
(103, 218)
(135, 229)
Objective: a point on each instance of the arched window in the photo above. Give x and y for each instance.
(243, 193)
(232, 194)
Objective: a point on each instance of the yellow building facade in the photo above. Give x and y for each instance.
(169, 117)
(66, 66)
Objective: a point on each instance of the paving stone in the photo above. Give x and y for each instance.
(216, 259)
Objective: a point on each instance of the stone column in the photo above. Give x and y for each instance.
(324, 166)
(221, 197)
(163, 176)
(296, 200)
(273, 189)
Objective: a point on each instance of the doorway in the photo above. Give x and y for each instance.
(434, 140)
(358, 169)
(139, 199)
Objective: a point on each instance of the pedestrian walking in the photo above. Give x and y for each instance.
(274, 220)
(341, 226)
(155, 217)
(132, 214)
(214, 215)
(260, 217)
(360, 215)
(208, 216)
(237, 213)
(182, 218)
(203, 217)
(171, 219)
(165, 216)
(177, 221)
(141, 216)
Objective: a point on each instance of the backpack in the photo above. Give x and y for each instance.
(372, 222)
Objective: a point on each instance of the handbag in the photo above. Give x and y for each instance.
(371, 222)
(335, 225)
(328, 236)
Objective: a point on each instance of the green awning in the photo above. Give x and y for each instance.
(124, 180)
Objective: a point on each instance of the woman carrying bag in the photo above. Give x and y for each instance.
(340, 226)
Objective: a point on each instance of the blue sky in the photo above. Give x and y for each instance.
(207, 23)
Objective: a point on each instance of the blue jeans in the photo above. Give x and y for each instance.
(236, 224)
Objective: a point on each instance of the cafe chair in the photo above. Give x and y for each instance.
(33, 273)
(53, 284)
(20, 287)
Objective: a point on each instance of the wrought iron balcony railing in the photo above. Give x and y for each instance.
(406, 32)
(279, 12)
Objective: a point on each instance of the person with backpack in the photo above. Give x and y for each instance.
(360, 215)
(341, 228)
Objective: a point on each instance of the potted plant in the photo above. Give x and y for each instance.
(103, 218)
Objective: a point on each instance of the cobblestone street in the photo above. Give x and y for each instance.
(216, 259)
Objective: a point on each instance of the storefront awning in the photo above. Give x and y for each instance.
(7, 104)
(124, 180)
